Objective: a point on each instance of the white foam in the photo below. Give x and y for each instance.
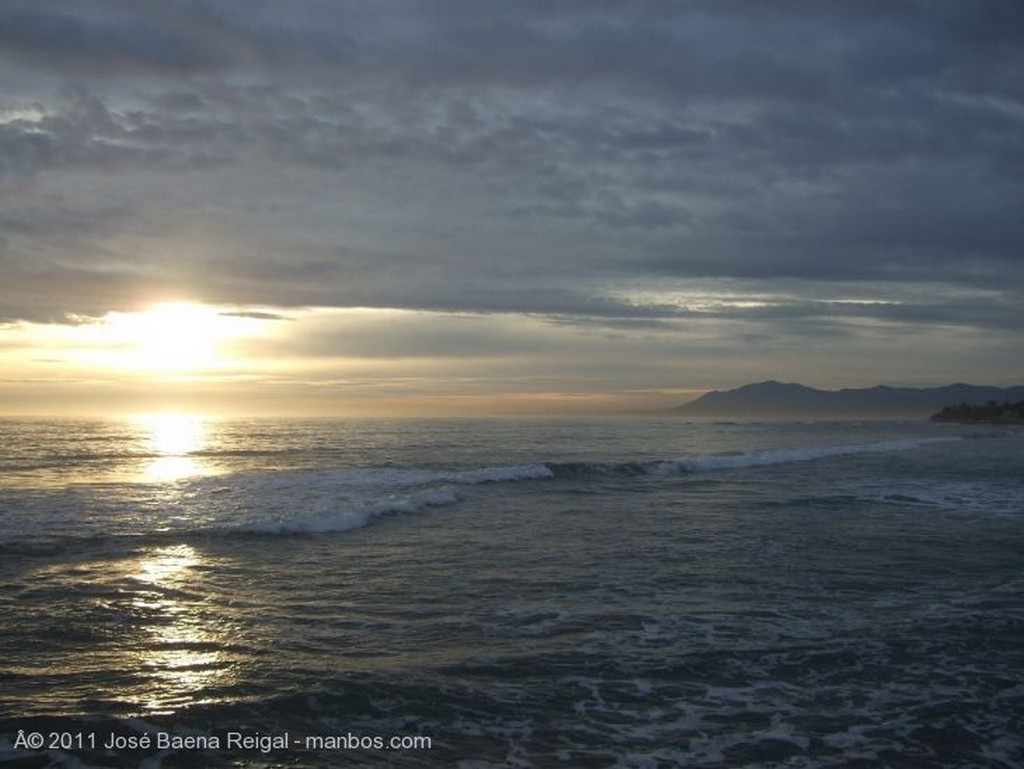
(344, 499)
(354, 516)
(1004, 496)
(712, 462)
(501, 474)
(393, 477)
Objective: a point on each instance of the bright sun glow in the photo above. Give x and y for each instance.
(173, 437)
(178, 337)
(169, 339)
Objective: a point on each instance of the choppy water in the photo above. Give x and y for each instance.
(603, 593)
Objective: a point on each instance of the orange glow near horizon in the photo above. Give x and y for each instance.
(170, 342)
(226, 360)
(171, 338)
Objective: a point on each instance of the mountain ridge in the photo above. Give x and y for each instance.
(774, 398)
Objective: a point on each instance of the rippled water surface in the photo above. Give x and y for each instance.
(607, 593)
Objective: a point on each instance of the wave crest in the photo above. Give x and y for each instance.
(354, 517)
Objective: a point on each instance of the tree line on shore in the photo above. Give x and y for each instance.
(997, 413)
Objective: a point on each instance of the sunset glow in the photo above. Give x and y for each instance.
(511, 382)
(210, 208)
(178, 338)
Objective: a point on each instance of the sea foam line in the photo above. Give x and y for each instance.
(712, 462)
(355, 516)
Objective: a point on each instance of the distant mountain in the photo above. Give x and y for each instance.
(779, 399)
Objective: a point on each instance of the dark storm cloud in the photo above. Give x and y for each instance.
(524, 157)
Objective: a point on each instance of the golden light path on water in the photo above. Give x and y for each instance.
(175, 438)
(183, 654)
(182, 651)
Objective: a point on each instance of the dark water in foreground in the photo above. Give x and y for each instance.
(605, 593)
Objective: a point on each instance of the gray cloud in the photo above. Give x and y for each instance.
(525, 158)
(256, 315)
(110, 37)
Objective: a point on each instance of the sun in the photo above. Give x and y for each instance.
(177, 336)
(171, 337)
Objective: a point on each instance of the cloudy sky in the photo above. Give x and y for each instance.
(456, 205)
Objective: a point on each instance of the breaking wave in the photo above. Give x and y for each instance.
(737, 460)
(321, 501)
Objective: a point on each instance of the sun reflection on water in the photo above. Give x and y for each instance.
(175, 438)
(184, 653)
(167, 565)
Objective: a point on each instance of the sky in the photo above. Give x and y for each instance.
(455, 206)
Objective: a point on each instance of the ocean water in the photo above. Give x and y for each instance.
(179, 592)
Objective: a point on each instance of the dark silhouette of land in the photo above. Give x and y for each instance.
(1004, 413)
(779, 399)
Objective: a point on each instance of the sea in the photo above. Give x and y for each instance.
(627, 592)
